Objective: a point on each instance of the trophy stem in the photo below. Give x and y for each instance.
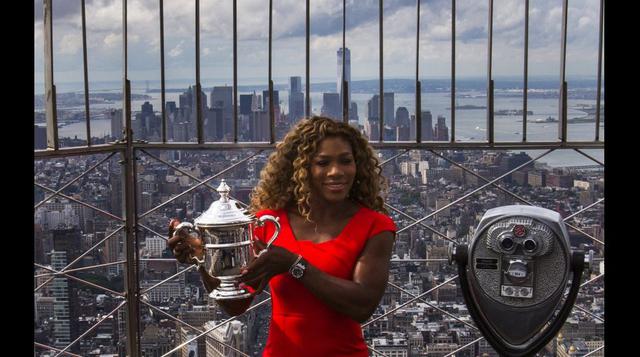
(229, 290)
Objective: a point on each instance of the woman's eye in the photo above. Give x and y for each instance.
(347, 161)
(322, 163)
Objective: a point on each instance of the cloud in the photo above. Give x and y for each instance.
(104, 33)
(176, 51)
(70, 44)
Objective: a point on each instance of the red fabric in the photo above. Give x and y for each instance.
(301, 324)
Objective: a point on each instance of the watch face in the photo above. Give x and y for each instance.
(297, 272)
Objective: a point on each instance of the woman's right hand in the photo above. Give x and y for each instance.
(183, 245)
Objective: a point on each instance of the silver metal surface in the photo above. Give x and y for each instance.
(562, 106)
(49, 86)
(227, 232)
(85, 66)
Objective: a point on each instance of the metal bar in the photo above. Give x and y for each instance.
(154, 232)
(307, 109)
(506, 145)
(162, 84)
(464, 347)
(85, 73)
(144, 291)
(584, 209)
(590, 157)
(490, 83)
(200, 120)
(72, 181)
(472, 192)
(192, 327)
(76, 151)
(235, 71)
(453, 71)
(394, 157)
(562, 111)
(583, 232)
(418, 113)
(272, 131)
(178, 169)
(526, 71)
(376, 351)
(422, 224)
(197, 185)
(592, 280)
(434, 306)
(49, 86)
(588, 312)
(80, 269)
(418, 260)
(344, 99)
(409, 302)
(214, 327)
(80, 202)
(67, 275)
(599, 85)
(80, 257)
(130, 187)
(381, 104)
(104, 317)
(54, 349)
(484, 179)
(594, 351)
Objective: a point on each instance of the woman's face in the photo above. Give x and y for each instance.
(333, 170)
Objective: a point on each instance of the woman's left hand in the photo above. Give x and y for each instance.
(274, 261)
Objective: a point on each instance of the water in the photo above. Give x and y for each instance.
(470, 124)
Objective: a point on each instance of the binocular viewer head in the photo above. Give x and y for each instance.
(514, 273)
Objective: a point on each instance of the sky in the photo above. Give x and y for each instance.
(105, 53)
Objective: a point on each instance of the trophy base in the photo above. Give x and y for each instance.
(231, 298)
(228, 290)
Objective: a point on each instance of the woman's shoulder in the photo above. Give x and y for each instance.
(377, 218)
(270, 212)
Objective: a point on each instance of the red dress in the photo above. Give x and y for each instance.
(301, 324)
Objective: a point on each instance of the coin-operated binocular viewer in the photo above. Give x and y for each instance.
(514, 274)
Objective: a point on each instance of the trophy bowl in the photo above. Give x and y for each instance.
(226, 230)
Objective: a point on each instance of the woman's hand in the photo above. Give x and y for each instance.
(274, 261)
(183, 245)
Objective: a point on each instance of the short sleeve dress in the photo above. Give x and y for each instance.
(301, 324)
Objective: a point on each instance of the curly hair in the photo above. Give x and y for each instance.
(285, 180)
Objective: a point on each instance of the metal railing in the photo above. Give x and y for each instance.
(129, 147)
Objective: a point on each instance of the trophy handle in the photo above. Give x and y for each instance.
(275, 222)
(189, 228)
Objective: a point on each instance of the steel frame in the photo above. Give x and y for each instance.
(128, 148)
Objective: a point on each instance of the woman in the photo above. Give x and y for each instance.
(329, 266)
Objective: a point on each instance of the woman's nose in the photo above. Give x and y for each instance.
(334, 170)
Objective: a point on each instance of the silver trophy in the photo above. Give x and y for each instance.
(227, 232)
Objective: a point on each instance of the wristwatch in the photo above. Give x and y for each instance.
(298, 267)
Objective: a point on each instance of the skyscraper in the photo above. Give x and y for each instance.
(347, 75)
(222, 99)
(427, 126)
(331, 106)
(441, 131)
(245, 104)
(296, 99)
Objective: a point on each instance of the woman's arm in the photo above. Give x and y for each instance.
(357, 298)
